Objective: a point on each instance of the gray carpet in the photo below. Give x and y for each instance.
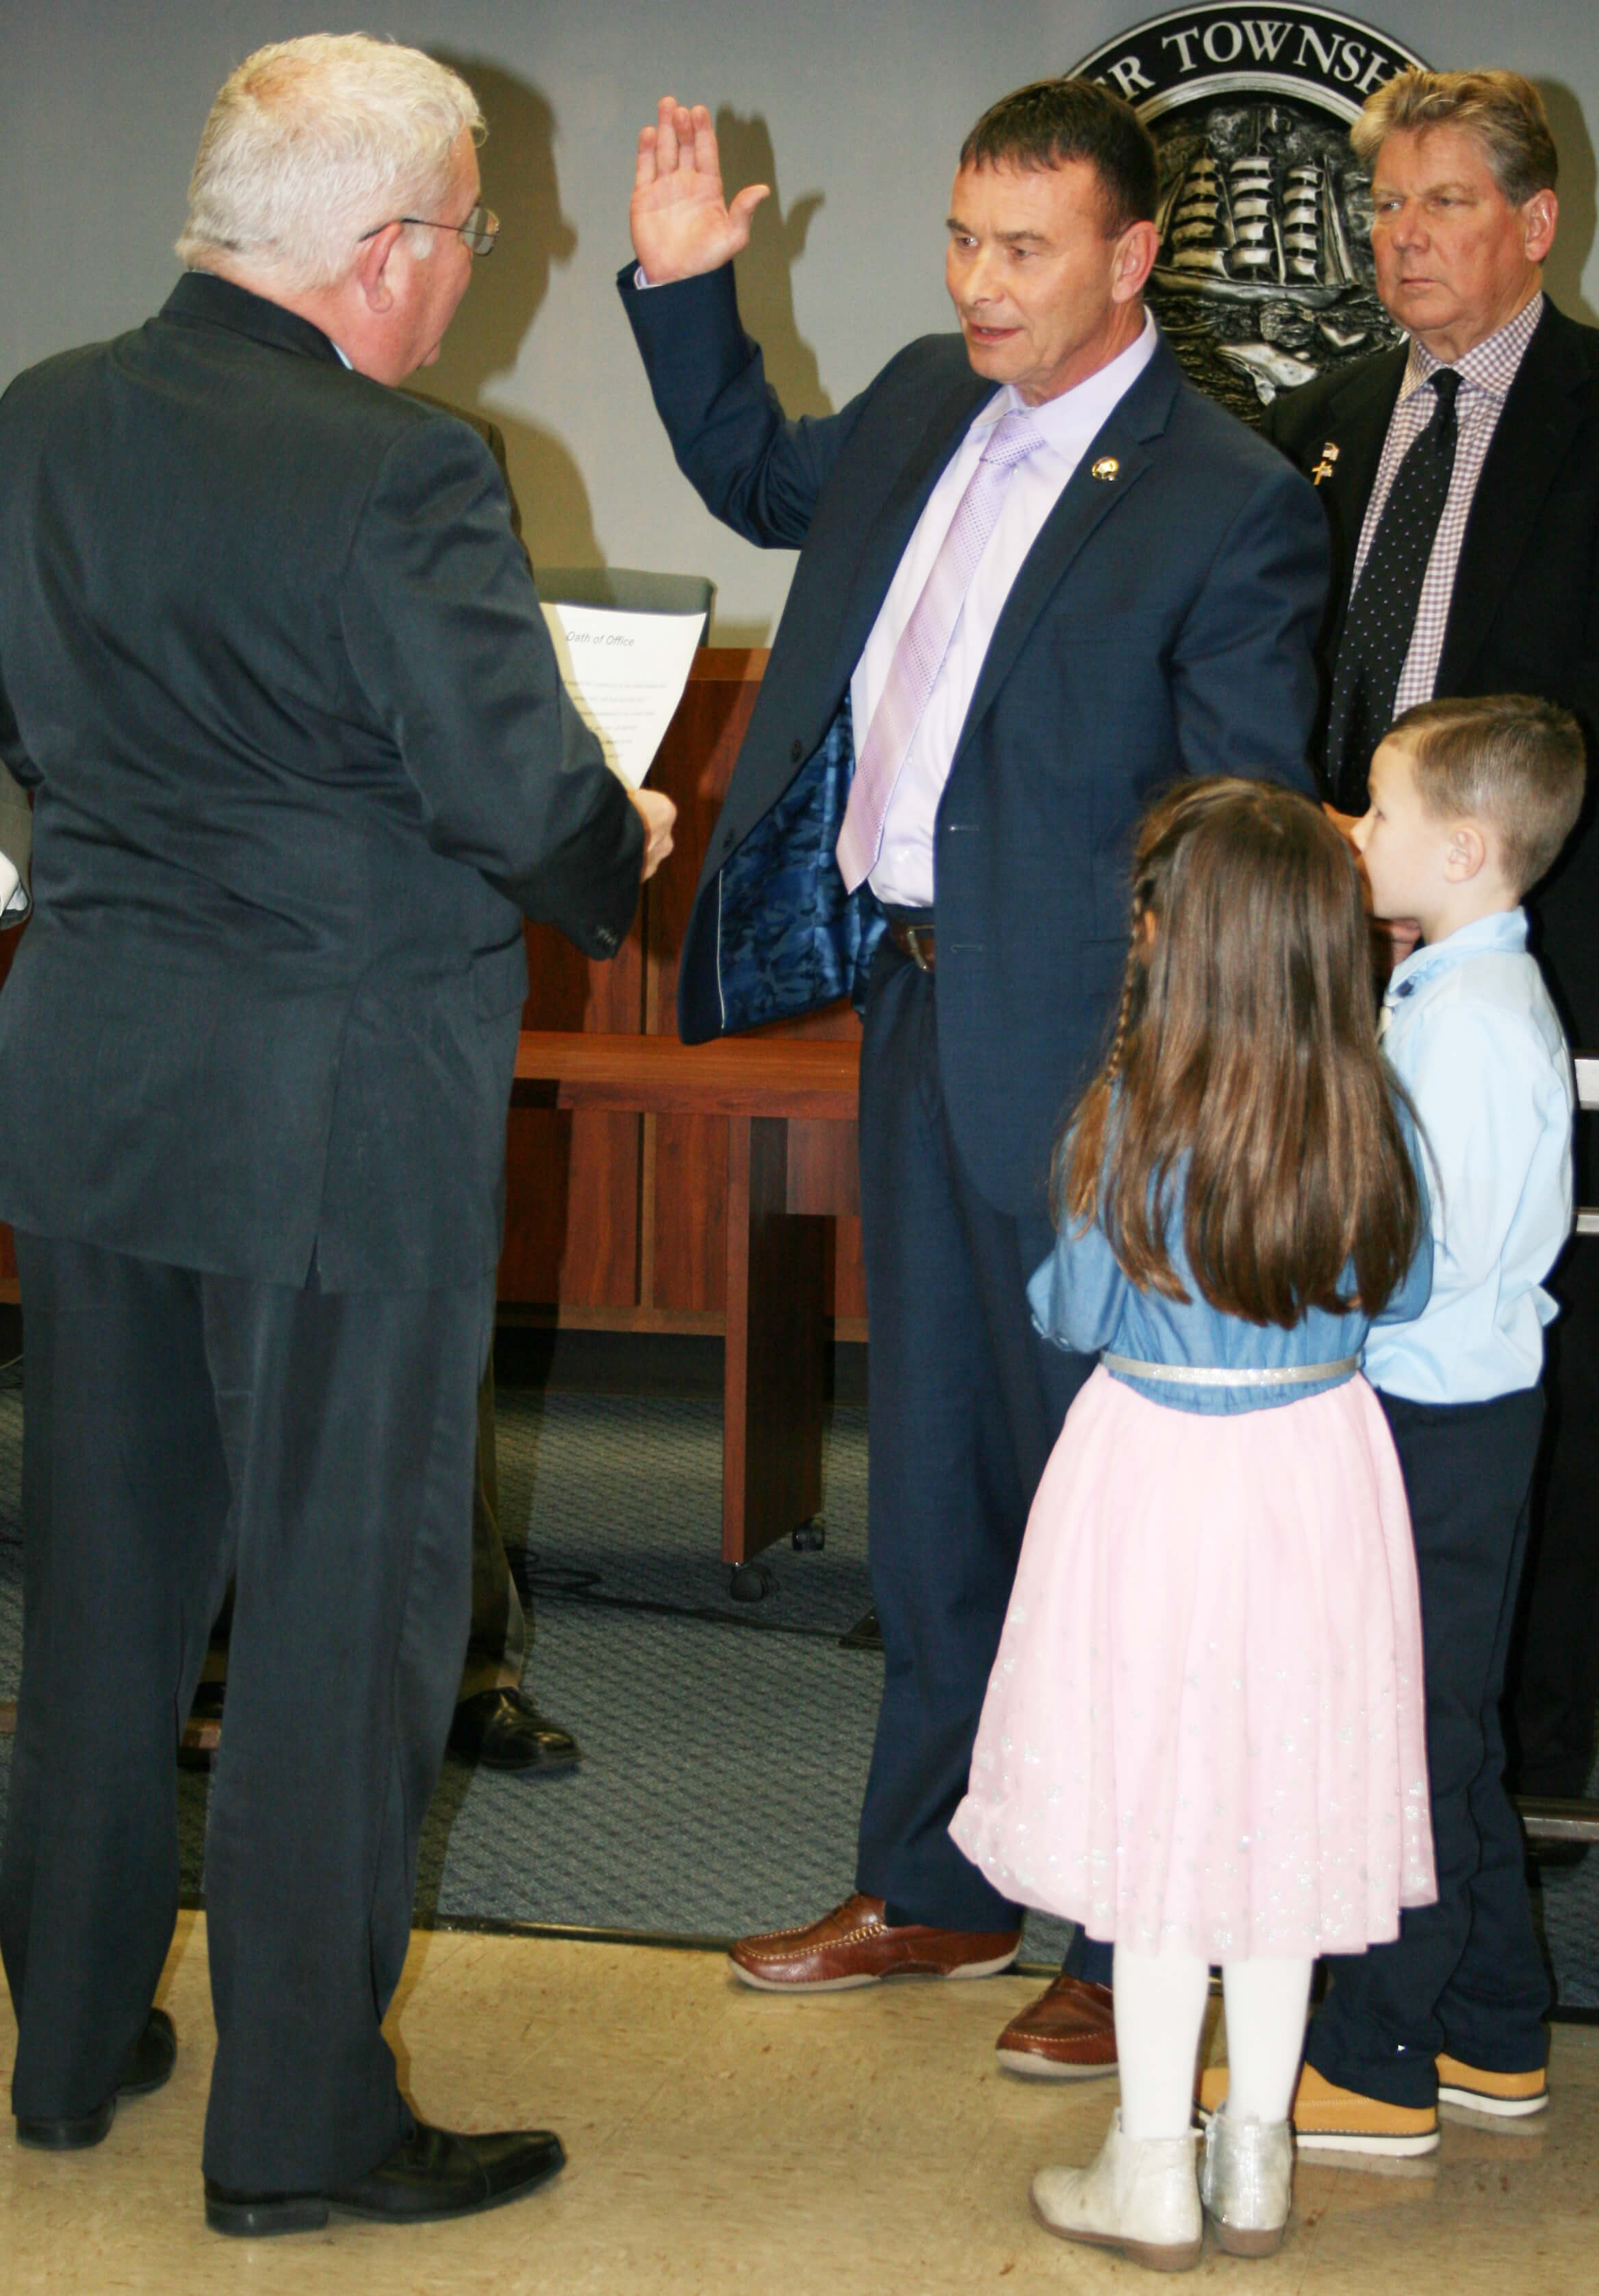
(727, 1744)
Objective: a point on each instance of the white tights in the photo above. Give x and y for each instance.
(1160, 2010)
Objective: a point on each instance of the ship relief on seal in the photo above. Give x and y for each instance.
(1265, 275)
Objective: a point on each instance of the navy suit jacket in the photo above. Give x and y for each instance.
(1162, 624)
(273, 664)
(1524, 615)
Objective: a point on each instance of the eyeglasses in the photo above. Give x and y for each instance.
(478, 232)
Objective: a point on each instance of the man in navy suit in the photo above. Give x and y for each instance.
(1038, 577)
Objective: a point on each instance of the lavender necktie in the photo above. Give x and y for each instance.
(924, 643)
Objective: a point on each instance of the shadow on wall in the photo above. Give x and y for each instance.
(1574, 242)
(766, 294)
(521, 183)
(765, 269)
(485, 339)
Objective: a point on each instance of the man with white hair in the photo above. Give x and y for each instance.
(273, 668)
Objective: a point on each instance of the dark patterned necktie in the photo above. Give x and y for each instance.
(1382, 617)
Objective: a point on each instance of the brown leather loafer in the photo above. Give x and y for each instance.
(1069, 2033)
(853, 1945)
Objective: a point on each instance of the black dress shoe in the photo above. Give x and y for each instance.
(147, 2066)
(430, 2174)
(505, 1731)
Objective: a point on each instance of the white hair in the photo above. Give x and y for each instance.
(312, 143)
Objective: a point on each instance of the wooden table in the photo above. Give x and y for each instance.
(775, 1334)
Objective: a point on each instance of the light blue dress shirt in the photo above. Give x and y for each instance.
(1081, 1299)
(1471, 1035)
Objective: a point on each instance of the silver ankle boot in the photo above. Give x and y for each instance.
(1246, 2182)
(1139, 2196)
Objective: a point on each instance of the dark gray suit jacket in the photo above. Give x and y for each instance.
(272, 663)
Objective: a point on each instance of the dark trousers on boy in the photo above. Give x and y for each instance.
(1464, 1976)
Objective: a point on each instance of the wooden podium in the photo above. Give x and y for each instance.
(755, 1094)
(617, 1218)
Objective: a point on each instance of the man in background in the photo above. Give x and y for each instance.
(1460, 477)
(273, 666)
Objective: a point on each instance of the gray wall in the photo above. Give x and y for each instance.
(851, 109)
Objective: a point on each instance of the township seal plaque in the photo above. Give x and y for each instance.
(1265, 275)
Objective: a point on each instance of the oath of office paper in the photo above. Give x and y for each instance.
(626, 672)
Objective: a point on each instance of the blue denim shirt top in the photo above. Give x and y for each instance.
(1082, 1301)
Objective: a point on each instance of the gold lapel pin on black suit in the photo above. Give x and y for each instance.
(1106, 467)
(1324, 469)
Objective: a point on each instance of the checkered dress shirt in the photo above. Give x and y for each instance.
(1485, 372)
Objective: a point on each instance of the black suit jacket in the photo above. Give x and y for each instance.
(1524, 617)
(271, 662)
(1162, 624)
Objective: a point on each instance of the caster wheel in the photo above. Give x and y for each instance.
(751, 1582)
(810, 1538)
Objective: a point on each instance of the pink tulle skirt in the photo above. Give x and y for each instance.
(1204, 1729)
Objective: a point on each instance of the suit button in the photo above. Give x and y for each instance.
(796, 751)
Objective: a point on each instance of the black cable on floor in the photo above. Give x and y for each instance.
(539, 1583)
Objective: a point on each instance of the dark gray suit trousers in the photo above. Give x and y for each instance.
(318, 1446)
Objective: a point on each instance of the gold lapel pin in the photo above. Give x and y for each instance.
(1324, 469)
(1106, 467)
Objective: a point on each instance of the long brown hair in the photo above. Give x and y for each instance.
(1246, 1043)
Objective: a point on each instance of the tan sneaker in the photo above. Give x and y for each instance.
(855, 1945)
(1327, 2119)
(1511, 2096)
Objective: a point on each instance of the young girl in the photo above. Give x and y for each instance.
(1203, 1737)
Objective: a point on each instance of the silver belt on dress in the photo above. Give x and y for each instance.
(1220, 1375)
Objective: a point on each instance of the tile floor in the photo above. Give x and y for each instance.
(723, 2141)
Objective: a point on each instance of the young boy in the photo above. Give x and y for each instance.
(1470, 803)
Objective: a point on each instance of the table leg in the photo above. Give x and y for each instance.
(776, 1349)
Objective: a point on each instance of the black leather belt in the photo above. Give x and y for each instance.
(911, 934)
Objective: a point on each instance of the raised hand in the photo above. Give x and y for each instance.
(681, 223)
